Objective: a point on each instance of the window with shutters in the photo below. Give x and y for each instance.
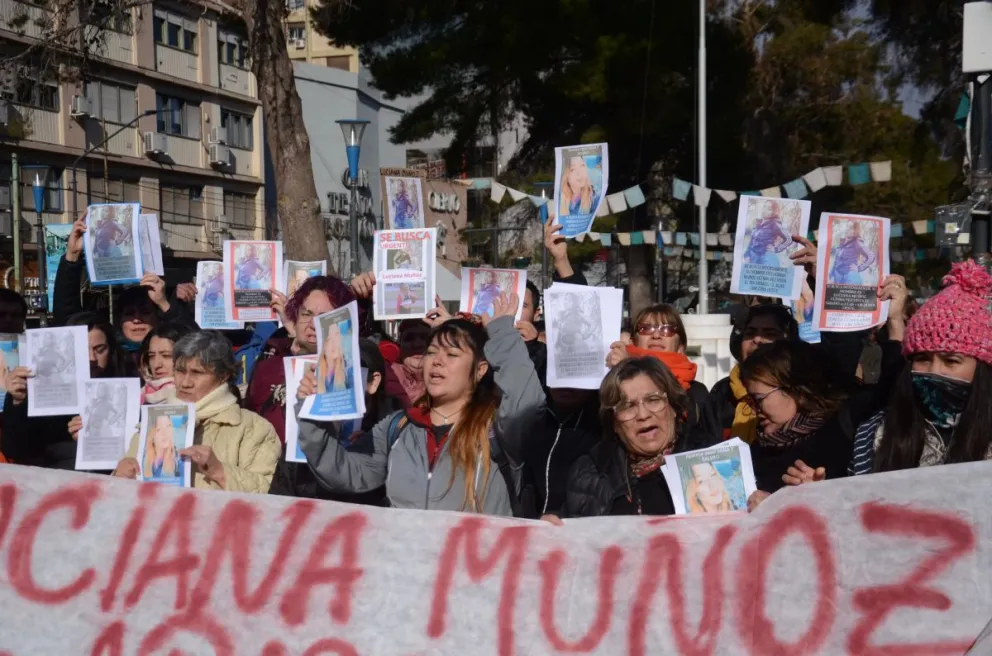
(239, 129)
(239, 209)
(111, 102)
(232, 50)
(28, 85)
(108, 15)
(175, 31)
(113, 190)
(181, 204)
(177, 116)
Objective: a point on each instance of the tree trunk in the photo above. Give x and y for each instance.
(298, 205)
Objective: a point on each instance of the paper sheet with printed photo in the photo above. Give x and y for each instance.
(763, 244)
(852, 260)
(481, 288)
(252, 269)
(110, 243)
(404, 262)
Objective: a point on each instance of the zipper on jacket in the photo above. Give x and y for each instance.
(427, 492)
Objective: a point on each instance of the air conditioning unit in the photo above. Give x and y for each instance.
(220, 155)
(156, 144)
(81, 106)
(301, 44)
(218, 136)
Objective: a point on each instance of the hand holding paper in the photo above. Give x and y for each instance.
(74, 249)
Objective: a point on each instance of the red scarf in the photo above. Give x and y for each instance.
(681, 367)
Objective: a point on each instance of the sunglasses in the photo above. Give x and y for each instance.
(665, 329)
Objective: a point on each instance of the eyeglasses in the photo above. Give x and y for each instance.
(754, 401)
(665, 329)
(627, 410)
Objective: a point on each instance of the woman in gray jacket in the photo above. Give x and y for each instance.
(460, 446)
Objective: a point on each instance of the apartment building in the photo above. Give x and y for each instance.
(306, 45)
(167, 115)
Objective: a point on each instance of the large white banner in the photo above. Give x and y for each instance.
(893, 564)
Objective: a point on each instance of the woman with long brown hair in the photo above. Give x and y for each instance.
(808, 408)
(459, 446)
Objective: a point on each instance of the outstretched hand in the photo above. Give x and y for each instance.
(805, 256)
(438, 314)
(503, 306)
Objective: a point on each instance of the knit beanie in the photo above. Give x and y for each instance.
(958, 319)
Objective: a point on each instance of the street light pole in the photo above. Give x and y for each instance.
(39, 206)
(353, 130)
(704, 296)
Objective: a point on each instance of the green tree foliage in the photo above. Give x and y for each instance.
(792, 84)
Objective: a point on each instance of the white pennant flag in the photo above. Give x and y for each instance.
(617, 202)
(772, 192)
(516, 195)
(834, 175)
(881, 171)
(816, 179)
(727, 196)
(497, 192)
(701, 195)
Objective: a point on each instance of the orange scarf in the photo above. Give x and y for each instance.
(680, 366)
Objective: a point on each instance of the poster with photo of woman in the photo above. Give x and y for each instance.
(295, 273)
(582, 175)
(210, 306)
(113, 255)
(252, 269)
(165, 431)
(713, 480)
(8, 361)
(60, 361)
(110, 414)
(340, 394)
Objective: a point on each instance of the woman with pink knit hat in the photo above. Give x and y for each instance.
(941, 408)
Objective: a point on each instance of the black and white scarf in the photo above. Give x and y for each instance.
(798, 429)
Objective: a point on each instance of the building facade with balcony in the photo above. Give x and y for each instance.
(307, 45)
(170, 86)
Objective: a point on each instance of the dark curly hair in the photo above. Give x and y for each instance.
(337, 292)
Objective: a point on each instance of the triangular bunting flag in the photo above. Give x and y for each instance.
(606, 238)
(858, 174)
(881, 171)
(816, 179)
(694, 238)
(623, 238)
(680, 189)
(772, 192)
(727, 196)
(538, 201)
(634, 196)
(497, 192)
(482, 183)
(895, 230)
(834, 175)
(681, 238)
(701, 195)
(796, 189)
(617, 203)
(711, 239)
(593, 236)
(650, 237)
(604, 209)
(666, 237)
(517, 196)
(581, 237)
(637, 238)
(920, 227)
(726, 240)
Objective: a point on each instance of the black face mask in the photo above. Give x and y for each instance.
(941, 398)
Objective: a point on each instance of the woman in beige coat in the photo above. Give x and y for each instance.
(233, 449)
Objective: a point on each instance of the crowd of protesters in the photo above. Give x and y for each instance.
(459, 417)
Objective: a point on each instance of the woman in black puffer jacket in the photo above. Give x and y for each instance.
(643, 410)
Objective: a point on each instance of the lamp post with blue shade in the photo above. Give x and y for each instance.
(545, 189)
(39, 189)
(353, 129)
